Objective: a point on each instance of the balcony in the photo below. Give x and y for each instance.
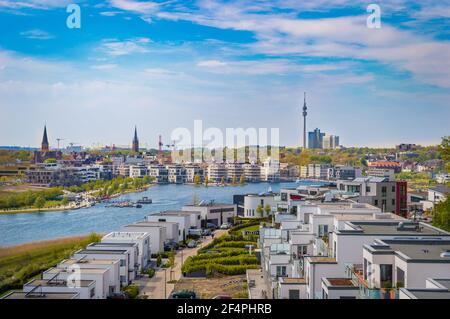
(355, 273)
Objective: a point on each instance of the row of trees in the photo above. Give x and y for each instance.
(198, 180)
(36, 199)
(441, 216)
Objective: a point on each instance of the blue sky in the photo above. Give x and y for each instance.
(236, 63)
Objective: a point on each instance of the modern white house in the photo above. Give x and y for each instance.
(156, 232)
(183, 220)
(75, 275)
(41, 295)
(132, 250)
(434, 289)
(112, 265)
(345, 247)
(405, 263)
(121, 255)
(171, 228)
(85, 288)
(253, 201)
(213, 213)
(142, 239)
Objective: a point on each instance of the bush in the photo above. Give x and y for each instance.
(132, 291)
(149, 271)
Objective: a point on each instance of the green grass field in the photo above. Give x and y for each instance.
(19, 264)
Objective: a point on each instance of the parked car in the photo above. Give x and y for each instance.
(225, 226)
(224, 296)
(184, 294)
(192, 244)
(206, 232)
(211, 226)
(172, 245)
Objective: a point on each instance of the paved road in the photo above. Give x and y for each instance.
(154, 287)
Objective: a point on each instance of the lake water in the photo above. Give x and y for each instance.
(20, 228)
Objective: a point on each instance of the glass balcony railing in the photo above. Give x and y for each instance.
(355, 272)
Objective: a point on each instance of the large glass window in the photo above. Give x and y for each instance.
(386, 276)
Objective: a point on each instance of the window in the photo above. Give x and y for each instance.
(393, 189)
(302, 250)
(122, 263)
(294, 294)
(393, 201)
(400, 278)
(375, 202)
(367, 189)
(92, 292)
(323, 230)
(385, 276)
(281, 271)
(324, 294)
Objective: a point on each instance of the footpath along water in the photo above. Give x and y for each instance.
(21, 228)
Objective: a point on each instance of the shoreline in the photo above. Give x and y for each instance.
(44, 242)
(62, 209)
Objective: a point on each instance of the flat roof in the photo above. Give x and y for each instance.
(47, 295)
(339, 283)
(101, 252)
(57, 283)
(381, 227)
(362, 217)
(321, 260)
(414, 249)
(73, 261)
(85, 270)
(125, 235)
(289, 280)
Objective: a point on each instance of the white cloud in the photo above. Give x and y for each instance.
(211, 63)
(104, 66)
(37, 34)
(33, 4)
(115, 47)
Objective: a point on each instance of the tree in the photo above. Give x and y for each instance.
(441, 217)
(158, 260)
(39, 202)
(242, 180)
(222, 180)
(233, 180)
(260, 210)
(444, 150)
(206, 181)
(64, 201)
(267, 209)
(304, 158)
(197, 180)
(50, 161)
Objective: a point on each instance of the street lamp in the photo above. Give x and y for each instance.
(165, 283)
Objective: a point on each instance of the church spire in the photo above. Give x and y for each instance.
(135, 144)
(44, 144)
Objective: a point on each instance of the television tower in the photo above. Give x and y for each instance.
(304, 120)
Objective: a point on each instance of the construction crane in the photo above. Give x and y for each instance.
(59, 140)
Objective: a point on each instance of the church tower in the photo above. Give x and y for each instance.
(135, 144)
(44, 145)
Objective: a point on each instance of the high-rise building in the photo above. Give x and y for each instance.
(330, 141)
(135, 144)
(315, 139)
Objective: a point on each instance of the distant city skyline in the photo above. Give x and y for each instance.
(161, 65)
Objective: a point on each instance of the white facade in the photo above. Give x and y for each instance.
(213, 213)
(156, 232)
(142, 239)
(251, 203)
(183, 221)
